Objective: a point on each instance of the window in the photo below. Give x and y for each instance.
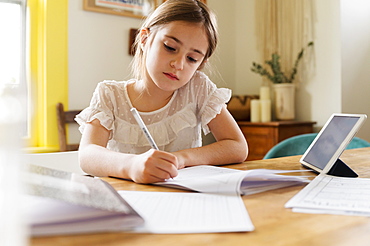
(12, 60)
(34, 43)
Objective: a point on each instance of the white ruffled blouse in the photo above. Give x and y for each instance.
(174, 127)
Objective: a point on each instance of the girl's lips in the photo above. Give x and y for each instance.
(171, 76)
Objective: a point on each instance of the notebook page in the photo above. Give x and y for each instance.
(178, 212)
(213, 179)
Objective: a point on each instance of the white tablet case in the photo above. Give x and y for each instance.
(323, 154)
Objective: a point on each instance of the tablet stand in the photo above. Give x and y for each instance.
(342, 170)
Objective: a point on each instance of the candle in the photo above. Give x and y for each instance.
(265, 93)
(265, 110)
(255, 110)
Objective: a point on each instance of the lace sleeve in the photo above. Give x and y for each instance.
(101, 108)
(213, 106)
(210, 99)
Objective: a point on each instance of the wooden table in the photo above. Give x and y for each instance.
(262, 136)
(274, 224)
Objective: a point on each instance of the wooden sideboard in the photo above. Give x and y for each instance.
(262, 137)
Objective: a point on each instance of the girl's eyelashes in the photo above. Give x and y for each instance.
(169, 48)
(191, 59)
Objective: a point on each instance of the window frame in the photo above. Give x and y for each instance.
(48, 62)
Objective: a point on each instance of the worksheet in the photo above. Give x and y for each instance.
(180, 212)
(334, 195)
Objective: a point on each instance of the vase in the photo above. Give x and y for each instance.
(284, 101)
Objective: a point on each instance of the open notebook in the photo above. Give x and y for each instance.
(213, 179)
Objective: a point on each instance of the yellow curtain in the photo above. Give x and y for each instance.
(48, 70)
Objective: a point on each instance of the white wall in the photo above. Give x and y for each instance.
(98, 46)
(247, 82)
(237, 49)
(319, 97)
(223, 61)
(98, 50)
(355, 27)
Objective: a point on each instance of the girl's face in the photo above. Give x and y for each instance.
(174, 54)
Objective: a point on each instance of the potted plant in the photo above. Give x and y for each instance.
(282, 83)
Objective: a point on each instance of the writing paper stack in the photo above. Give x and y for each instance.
(58, 202)
(212, 179)
(328, 194)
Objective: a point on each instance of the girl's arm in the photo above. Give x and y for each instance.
(231, 146)
(96, 159)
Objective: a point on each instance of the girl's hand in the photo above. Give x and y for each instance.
(153, 166)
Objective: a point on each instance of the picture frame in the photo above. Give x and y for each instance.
(114, 8)
(162, 1)
(131, 41)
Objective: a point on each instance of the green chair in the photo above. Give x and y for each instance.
(297, 145)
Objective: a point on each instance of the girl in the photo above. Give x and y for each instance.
(175, 100)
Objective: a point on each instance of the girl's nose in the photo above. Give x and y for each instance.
(177, 63)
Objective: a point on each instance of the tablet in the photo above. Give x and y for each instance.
(331, 141)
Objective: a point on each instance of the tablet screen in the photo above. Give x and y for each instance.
(331, 138)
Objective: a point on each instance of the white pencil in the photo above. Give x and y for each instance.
(142, 125)
(143, 128)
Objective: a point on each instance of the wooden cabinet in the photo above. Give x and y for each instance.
(262, 137)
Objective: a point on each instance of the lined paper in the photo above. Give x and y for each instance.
(330, 194)
(179, 212)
